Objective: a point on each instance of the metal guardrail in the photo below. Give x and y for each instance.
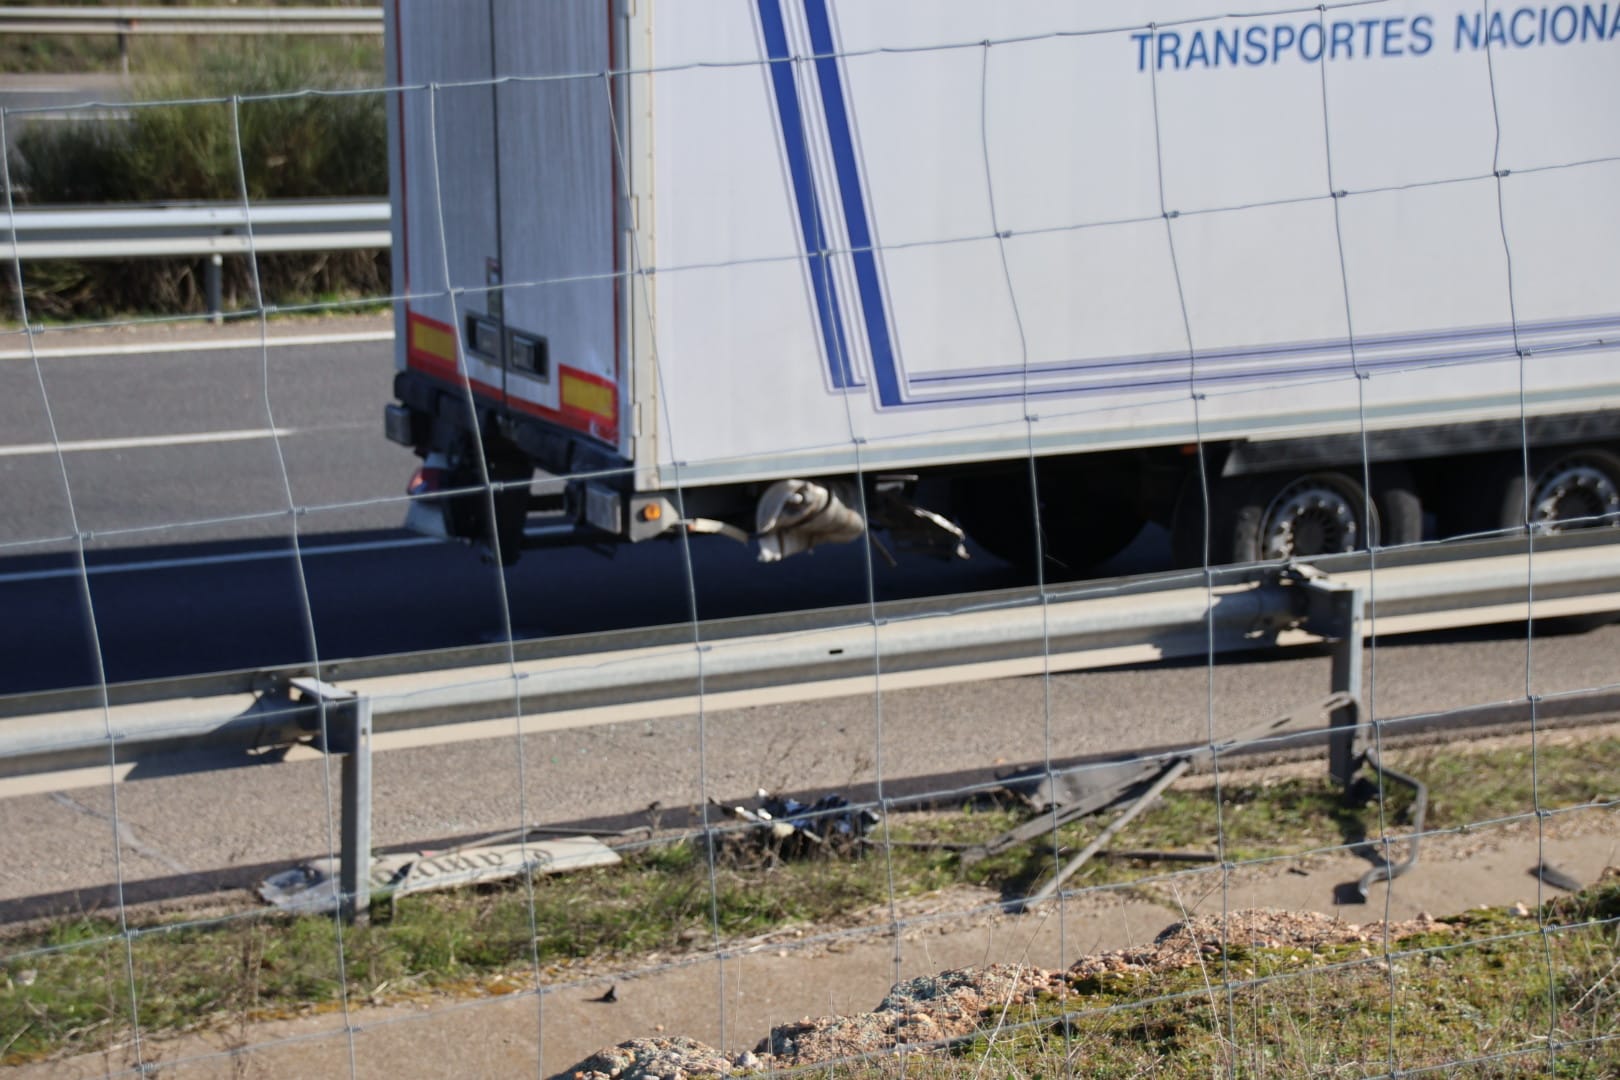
(200, 229)
(140, 19)
(612, 678)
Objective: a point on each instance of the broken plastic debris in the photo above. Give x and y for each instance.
(829, 818)
(312, 887)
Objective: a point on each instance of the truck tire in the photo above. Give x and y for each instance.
(1571, 488)
(1290, 515)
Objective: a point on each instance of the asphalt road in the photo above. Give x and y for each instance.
(172, 473)
(174, 447)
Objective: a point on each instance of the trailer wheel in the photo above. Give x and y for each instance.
(1286, 516)
(1569, 489)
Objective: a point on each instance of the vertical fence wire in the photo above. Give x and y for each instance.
(1373, 541)
(1196, 398)
(1038, 552)
(87, 598)
(1521, 355)
(306, 608)
(453, 294)
(640, 272)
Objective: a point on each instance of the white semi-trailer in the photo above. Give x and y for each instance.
(793, 270)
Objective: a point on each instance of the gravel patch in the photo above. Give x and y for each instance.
(934, 1010)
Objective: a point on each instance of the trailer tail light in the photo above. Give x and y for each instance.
(429, 477)
(425, 481)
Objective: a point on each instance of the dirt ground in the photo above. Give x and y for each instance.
(731, 1003)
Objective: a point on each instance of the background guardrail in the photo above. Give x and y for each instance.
(205, 230)
(125, 21)
(141, 19)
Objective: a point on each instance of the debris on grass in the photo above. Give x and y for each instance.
(312, 887)
(796, 828)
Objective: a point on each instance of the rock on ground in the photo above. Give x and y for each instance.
(654, 1059)
(1182, 944)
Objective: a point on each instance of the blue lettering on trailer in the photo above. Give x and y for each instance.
(1309, 39)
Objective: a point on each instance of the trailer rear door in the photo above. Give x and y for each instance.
(555, 174)
(504, 206)
(447, 232)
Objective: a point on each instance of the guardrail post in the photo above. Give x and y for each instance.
(342, 725)
(213, 286)
(354, 872)
(1344, 721)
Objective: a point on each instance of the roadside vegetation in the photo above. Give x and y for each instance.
(301, 146)
(67, 989)
(1488, 993)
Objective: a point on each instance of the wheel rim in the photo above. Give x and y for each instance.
(1576, 493)
(1314, 515)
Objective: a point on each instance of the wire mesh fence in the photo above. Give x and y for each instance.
(1210, 297)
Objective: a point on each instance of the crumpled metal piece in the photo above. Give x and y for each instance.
(796, 515)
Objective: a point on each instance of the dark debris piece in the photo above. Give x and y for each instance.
(829, 817)
(1555, 877)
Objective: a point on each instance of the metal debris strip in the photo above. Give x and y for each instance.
(1062, 796)
(313, 886)
(1169, 775)
(1366, 791)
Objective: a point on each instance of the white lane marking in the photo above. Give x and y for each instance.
(218, 560)
(67, 352)
(137, 442)
(251, 556)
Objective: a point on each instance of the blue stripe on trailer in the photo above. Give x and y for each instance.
(804, 191)
(849, 181)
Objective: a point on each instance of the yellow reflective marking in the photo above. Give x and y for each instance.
(433, 341)
(587, 396)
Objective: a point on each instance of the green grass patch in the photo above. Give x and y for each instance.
(68, 989)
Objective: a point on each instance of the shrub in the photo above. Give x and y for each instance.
(298, 145)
